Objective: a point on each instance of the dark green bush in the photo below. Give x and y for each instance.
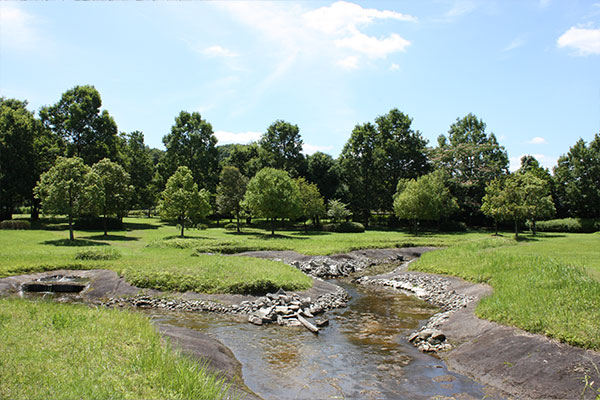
(15, 224)
(98, 254)
(345, 227)
(573, 225)
(232, 226)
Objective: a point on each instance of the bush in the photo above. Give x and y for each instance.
(345, 227)
(98, 254)
(15, 224)
(573, 225)
(96, 223)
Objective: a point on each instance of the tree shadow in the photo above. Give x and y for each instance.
(134, 226)
(312, 233)
(170, 237)
(113, 237)
(73, 243)
(527, 239)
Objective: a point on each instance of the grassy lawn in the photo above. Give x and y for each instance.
(544, 285)
(65, 351)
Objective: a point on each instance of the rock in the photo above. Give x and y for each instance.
(413, 337)
(293, 322)
(253, 319)
(322, 322)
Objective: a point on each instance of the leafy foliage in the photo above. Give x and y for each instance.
(577, 178)
(426, 198)
(575, 225)
(85, 131)
(310, 200)
(182, 201)
(113, 187)
(345, 227)
(15, 224)
(272, 194)
(337, 210)
(66, 189)
(98, 254)
(231, 191)
(471, 158)
(281, 148)
(192, 144)
(139, 165)
(324, 172)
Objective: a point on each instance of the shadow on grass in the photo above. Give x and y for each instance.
(171, 237)
(135, 226)
(113, 237)
(266, 235)
(73, 243)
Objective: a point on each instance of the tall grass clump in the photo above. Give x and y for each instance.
(536, 293)
(67, 351)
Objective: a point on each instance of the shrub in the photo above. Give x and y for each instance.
(345, 227)
(98, 254)
(573, 225)
(15, 224)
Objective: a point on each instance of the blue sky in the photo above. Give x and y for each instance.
(530, 69)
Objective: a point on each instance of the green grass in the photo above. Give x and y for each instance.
(545, 285)
(65, 351)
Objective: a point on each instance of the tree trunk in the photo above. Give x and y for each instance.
(71, 236)
(272, 226)
(516, 229)
(182, 222)
(35, 209)
(533, 230)
(496, 228)
(104, 225)
(237, 217)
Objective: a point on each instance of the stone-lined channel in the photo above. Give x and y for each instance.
(362, 354)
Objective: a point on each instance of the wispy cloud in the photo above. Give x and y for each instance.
(218, 51)
(225, 137)
(394, 67)
(586, 41)
(309, 149)
(460, 8)
(18, 29)
(349, 63)
(515, 44)
(537, 140)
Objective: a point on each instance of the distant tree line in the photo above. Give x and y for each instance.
(386, 168)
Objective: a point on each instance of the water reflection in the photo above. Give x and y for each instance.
(362, 354)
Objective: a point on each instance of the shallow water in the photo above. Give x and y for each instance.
(362, 354)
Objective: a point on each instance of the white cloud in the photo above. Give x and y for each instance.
(394, 67)
(225, 137)
(544, 160)
(329, 33)
(350, 62)
(585, 40)
(309, 149)
(518, 42)
(17, 28)
(343, 17)
(373, 47)
(460, 8)
(537, 140)
(218, 51)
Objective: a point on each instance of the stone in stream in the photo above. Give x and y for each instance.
(254, 319)
(307, 324)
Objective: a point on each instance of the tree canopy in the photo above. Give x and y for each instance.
(311, 202)
(271, 193)
(281, 148)
(231, 191)
(471, 158)
(66, 189)
(85, 130)
(114, 191)
(182, 201)
(192, 144)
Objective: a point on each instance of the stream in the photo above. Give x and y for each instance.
(362, 354)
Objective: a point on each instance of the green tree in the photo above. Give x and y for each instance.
(577, 179)
(139, 165)
(114, 191)
(426, 198)
(471, 158)
(519, 197)
(66, 189)
(360, 170)
(337, 210)
(246, 158)
(17, 157)
(272, 194)
(323, 171)
(493, 202)
(281, 148)
(192, 144)
(231, 191)
(403, 153)
(182, 201)
(86, 132)
(311, 202)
